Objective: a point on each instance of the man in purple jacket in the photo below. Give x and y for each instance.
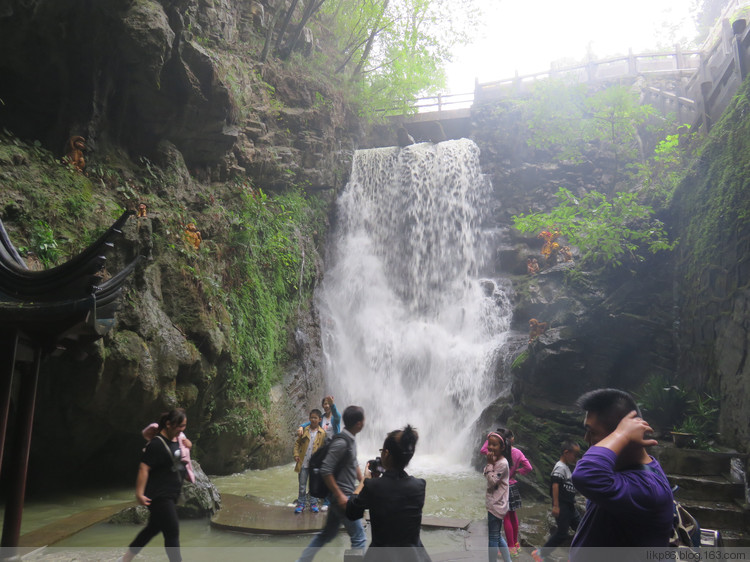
(629, 499)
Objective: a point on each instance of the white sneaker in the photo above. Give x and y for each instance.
(323, 508)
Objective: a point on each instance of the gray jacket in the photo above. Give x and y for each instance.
(340, 447)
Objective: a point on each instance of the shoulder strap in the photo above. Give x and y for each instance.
(169, 451)
(658, 473)
(348, 453)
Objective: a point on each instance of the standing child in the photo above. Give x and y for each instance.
(497, 473)
(313, 437)
(563, 500)
(519, 465)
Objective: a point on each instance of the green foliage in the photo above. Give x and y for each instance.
(606, 231)
(398, 49)
(702, 421)
(666, 168)
(571, 120)
(664, 404)
(266, 277)
(667, 406)
(44, 244)
(520, 360)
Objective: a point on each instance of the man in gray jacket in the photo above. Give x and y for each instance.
(342, 475)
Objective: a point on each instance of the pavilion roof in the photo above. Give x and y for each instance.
(63, 306)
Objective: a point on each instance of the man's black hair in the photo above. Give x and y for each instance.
(352, 415)
(316, 412)
(609, 404)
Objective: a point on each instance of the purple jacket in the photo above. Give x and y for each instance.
(632, 507)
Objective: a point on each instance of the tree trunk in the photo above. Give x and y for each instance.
(285, 25)
(370, 41)
(269, 31)
(310, 9)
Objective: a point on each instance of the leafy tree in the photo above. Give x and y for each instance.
(606, 231)
(397, 49)
(705, 14)
(666, 168)
(571, 121)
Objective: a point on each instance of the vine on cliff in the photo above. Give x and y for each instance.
(267, 277)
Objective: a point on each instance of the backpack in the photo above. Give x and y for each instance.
(318, 488)
(686, 532)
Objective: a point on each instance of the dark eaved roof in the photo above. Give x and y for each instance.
(65, 305)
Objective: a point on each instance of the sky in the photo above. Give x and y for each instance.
(527, 35)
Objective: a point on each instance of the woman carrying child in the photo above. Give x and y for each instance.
(496, 499)
(158, 486)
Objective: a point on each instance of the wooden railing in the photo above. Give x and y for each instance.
(705, 79)
(703, 98)
(439, 102)
(668, 64)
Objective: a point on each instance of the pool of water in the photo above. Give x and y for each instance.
(453, 491)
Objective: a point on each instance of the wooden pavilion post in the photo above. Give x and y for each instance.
(8, 347)
(22, 448)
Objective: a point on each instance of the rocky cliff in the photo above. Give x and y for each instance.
(177, 115)
(679, 316)
(712, 217)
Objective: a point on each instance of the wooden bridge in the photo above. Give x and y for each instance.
(704, 81)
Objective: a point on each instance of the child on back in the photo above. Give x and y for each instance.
(496, 499)
(313, 437)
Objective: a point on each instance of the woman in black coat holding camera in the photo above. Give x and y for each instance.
(395, 501)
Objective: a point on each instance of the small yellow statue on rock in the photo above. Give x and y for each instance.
(193, 235)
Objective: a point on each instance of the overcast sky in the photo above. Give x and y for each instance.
(527, 35)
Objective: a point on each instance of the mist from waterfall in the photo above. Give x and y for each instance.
(410, 330)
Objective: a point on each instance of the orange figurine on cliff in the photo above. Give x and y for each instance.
(74, 153)
(193, 235)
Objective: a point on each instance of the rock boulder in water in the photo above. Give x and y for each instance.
(201, 499)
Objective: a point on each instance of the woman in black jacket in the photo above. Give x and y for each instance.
(395, 501)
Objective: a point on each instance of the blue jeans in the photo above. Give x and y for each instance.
(304, 475)
(496, 540)
(335, 518)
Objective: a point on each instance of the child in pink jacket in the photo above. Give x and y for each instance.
(520, 465)
(150, 431)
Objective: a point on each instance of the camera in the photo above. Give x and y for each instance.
(375, 467)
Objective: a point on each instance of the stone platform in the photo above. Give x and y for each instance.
(69, 526)
(249, 515)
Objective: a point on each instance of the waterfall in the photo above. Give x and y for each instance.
(411, 332)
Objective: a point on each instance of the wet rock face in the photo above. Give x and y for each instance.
(116, 71)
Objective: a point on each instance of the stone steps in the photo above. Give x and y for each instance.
(708, 490)
(718, 515)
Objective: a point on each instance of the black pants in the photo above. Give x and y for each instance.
(568, 519)
(162, 519)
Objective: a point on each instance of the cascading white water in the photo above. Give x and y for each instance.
(410, 331)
